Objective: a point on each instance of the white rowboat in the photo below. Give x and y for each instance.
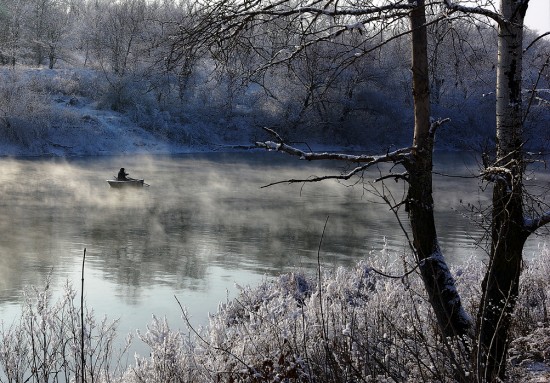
(126, 183)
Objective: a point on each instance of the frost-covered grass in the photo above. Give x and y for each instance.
(341, 325)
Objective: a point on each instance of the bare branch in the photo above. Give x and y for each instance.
(345, 176)
(535, 40)
(456, 175)
(436, 124)
(403, 276)
(331, 13)
(535, 85)
(395, 157)
(395, 177)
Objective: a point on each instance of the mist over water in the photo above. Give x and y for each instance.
(203, 224)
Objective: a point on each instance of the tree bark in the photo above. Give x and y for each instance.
(508, 231)
(436, 276)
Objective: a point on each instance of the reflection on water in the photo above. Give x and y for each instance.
(203, 224)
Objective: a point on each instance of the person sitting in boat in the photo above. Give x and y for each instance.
(122, 175)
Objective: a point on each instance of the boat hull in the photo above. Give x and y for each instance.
(125, 184)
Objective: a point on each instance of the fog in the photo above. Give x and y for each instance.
(203, 224)
(198, 211)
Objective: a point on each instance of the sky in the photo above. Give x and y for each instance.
(538, 15)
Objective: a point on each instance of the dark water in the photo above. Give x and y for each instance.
(202, 225)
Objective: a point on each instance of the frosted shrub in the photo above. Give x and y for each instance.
(116, 93)
(344, 325)
(45, 345)
(340, 325)
(13, 352)
(534, 295)
(67, 82)
(348, 325)
(62, 82)
(170, 360)
(468, 277)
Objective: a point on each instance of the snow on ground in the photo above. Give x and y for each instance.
(104, 132)
(66, 112)
(94, 131)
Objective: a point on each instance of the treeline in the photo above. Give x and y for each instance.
(135, 57)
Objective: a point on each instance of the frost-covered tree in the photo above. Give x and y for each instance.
(49, 26)
(12, 15)
(118, 35)
(240, 24)
(510, 224)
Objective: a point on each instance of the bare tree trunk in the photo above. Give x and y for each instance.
(51, 56)
(508, 232)
(437, 278)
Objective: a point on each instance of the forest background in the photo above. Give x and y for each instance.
(78, 75)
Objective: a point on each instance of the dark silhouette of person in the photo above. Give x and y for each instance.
(122, 175)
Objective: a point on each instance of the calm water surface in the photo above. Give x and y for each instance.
(202, 225)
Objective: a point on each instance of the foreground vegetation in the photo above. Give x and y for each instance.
(343, 325)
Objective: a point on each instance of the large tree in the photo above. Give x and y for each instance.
(510, 225)
(237, 24)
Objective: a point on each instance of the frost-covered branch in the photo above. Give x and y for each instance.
(436, 124)
(367, 161)
(496, 172)
(454, 7)
(395, 156)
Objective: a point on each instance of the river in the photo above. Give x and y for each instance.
(203, 224)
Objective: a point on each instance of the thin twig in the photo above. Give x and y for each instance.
(455, 175)
(535, 40)
(395, 276)
(535, 85)
(325, 335)
(82, 357)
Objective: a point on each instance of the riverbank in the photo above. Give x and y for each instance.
(68, 126)
(81, 111)
(78, 112)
